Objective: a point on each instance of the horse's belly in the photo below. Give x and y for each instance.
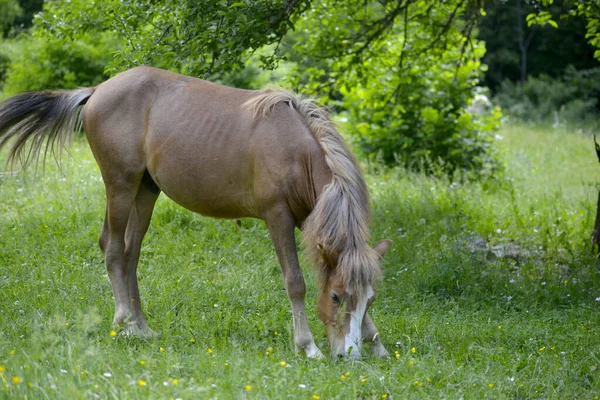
(211, 189)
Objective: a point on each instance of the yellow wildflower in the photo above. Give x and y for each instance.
(16, 380)
(282, 363)
(490, 385)
(542, 348)
(192, 340)
(413, 350)
(142, 363)
(142, 382)
(316, 396)
(209, 351)
(248, 388)
(113, 333)
(2, 369)
(161, 349)
(384, 396)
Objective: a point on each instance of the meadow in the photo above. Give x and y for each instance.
(459, 321)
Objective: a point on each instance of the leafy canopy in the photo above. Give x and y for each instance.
(402, 69)
(202, 38)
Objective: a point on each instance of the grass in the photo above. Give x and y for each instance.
(458, 324)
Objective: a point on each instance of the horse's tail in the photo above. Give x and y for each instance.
(340, 219)
(36, 118)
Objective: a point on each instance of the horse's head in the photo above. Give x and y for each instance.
(344, 301)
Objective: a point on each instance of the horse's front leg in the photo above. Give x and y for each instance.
(370, 335)
(281, 228)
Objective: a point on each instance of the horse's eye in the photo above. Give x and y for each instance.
(335, 298)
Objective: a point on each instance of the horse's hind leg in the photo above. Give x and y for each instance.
(120, 197)
(137, 226)
(128, 213)
(281, 228)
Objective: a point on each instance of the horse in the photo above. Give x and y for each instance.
(225, 153)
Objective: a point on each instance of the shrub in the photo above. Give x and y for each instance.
(424, 124)
(37, 64)
(404, 91)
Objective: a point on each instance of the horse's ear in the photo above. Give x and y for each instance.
(382, 247)
(330, 258)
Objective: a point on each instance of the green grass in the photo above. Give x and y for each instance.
(458, 324)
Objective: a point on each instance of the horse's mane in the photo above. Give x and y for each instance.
(339, 222)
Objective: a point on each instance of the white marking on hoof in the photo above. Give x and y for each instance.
(133, 330)
(312, 351)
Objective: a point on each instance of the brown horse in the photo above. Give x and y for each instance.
(225, 153)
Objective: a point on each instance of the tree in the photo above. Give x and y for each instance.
(403, 70)
(405, 73)
(202, 38)
(516, 50)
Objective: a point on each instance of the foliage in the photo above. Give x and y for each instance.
(516, 49)
(9, 10)
(38, 64)
(201, 38)
(405, 94)
(25, 19)
(356, 42)
(571, 100)
(480, 327)
(587, 9)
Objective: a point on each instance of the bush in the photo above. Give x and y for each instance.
(405, 92)
(424, 125)
(569, 101)
(37, 64)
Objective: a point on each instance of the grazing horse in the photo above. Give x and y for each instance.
(225, 153)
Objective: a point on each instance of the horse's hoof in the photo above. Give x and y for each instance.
(379, 352)
(140, 332)
(314, 352)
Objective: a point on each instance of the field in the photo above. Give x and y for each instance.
(459, 321)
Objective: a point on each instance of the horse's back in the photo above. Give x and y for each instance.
(201, 147)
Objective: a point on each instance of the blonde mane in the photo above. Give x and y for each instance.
(340, 219)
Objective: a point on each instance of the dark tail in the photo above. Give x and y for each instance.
(40, 119)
